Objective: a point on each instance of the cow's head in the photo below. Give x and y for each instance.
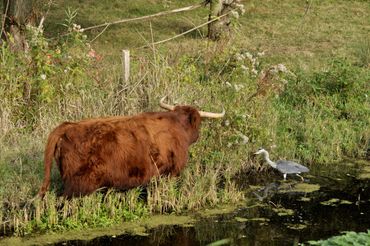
(190, 117)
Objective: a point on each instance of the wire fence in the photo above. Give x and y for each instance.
(106, 25)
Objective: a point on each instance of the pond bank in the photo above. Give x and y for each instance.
(140, 228)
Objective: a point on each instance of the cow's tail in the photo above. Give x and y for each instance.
(49, 154)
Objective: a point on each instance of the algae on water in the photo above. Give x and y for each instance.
(331, 202)
(304, 199)
(300, 187)
(241, 219)
(283, 211)
(296, 226)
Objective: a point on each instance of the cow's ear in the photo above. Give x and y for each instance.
(194, 119)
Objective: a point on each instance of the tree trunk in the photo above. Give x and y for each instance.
(17, 14)
(215, 28)
(221, 26)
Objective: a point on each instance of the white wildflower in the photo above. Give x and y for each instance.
(238, 87)
(43, 76)
(239, 57)
(245, 68)
(240, 7)
(249, 55)
(259, 54)
(235, 14)
(244, 138)
(254, 71)
(76, 28)
(282, 68)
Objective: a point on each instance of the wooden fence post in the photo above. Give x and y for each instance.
(126, 65)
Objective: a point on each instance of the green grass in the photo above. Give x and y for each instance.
(314, 110)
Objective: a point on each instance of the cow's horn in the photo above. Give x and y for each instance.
(164, 105)
(212, 115)
(202, 113)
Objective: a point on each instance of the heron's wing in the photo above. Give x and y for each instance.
(290, 167)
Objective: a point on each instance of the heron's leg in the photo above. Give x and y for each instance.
(300, 176)
(284, 176)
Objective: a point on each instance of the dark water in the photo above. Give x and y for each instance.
(342, 203)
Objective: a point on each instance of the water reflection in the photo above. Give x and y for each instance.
(267, 191)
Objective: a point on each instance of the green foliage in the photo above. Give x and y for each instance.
(50, 73)
(349, 238)
(331, 103)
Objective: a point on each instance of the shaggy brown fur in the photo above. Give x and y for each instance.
(120, 152)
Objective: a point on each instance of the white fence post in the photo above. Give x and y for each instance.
(126, 65)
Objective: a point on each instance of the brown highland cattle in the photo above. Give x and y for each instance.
(121, 152)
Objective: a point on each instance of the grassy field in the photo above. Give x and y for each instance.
(296, 33)
(293, 77)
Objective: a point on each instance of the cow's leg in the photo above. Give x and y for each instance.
(81, 185)
(177, 163)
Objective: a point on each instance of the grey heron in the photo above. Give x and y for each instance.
(283, 166)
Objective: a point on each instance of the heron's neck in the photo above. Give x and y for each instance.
(267, 158)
